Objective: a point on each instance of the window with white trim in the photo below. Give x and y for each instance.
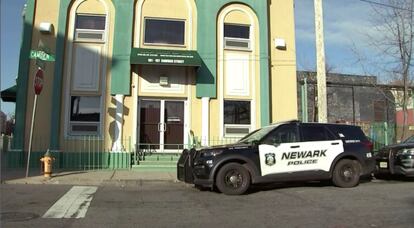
(85, 114)
(90, 28)
(163, 31)
(236, 36)
(85, 101)
(237, 118)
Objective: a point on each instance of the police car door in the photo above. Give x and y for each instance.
(283, 139)
(315, 149)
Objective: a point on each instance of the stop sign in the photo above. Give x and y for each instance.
(38, 81)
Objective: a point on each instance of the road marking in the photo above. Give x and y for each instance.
(74, 204)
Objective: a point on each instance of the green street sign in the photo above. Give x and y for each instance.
(34, 54)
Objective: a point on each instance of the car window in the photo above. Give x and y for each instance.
(283, 134)
(409, 140)
(348, 133)
(315, 133)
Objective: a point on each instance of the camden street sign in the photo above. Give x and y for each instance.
(42, 55)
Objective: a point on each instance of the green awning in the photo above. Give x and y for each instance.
(165, 57)
(9, 94)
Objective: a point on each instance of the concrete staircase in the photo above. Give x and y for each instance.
(157, 162)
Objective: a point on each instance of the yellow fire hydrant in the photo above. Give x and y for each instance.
(47, 162)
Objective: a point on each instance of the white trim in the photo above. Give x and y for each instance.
(205, 116)
(162, 124)
(135, 132)
(67, 68)
(221, 58)
(118, 130)
(138, 26)
(186, 123)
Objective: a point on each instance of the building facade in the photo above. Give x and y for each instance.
(155, 72)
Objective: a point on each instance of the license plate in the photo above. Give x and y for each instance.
(383, 165)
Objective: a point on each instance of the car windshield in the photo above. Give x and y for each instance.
(257, 135)
(409, 140)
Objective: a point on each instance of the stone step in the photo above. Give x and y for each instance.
(159, 163)
(161, 157)
(154, 168)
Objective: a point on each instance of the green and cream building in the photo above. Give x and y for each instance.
(155, 71)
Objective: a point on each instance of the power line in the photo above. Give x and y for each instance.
(385, 5)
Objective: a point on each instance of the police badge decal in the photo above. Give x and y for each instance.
(270, 159)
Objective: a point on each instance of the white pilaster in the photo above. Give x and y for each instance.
(205, 117)
(117, 146)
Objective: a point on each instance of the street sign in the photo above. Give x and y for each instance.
(38, 81)
(36, 54)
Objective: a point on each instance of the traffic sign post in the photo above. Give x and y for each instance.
(37, 86)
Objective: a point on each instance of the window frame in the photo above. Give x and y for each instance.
(236, 126)
(236, 39)
(163, 44)
(85, 123)
(91, 31)
(71, 41)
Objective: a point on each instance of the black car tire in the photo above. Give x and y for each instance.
(233, 179)
(346, 173)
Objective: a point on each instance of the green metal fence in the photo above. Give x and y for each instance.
(80, 153)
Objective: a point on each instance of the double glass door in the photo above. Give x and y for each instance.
(161, 124)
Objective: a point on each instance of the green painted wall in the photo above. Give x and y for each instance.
(23, 75)
(207, 12)
(121, 66)
(58, 74)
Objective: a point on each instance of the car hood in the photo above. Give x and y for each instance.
(228, 146)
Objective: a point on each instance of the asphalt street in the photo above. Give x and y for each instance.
(168, 204)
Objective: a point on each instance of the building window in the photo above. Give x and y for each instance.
(236, 36)
(159, 31)
(90, 28)
(85, 96)
(85, 115)
(237, 118)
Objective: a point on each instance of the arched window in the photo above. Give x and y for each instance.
(86, 68)
(237, 69)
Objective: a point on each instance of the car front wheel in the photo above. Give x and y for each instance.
(346, 173)
(233, 179)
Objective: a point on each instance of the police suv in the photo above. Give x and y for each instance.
(287, 151)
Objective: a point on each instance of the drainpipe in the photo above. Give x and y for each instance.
(305, 107)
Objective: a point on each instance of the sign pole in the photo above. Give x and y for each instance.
(38, 86)
(31, 135)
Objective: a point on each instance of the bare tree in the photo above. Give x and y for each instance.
(393, 41)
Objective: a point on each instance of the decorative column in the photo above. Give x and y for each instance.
(119, 115)
(205, 117)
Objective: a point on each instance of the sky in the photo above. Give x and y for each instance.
(10, 39)
(346, 23)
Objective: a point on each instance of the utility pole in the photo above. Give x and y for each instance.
(320, 62)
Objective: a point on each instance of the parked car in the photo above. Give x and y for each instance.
(397, 159)
(287, 151)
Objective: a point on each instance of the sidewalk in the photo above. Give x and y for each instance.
(89, 177)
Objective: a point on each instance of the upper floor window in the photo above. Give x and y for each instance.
(236, 36)
(90, 28)
(162, 31)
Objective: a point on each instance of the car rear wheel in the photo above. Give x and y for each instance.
(233, 179)
(346, 173)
